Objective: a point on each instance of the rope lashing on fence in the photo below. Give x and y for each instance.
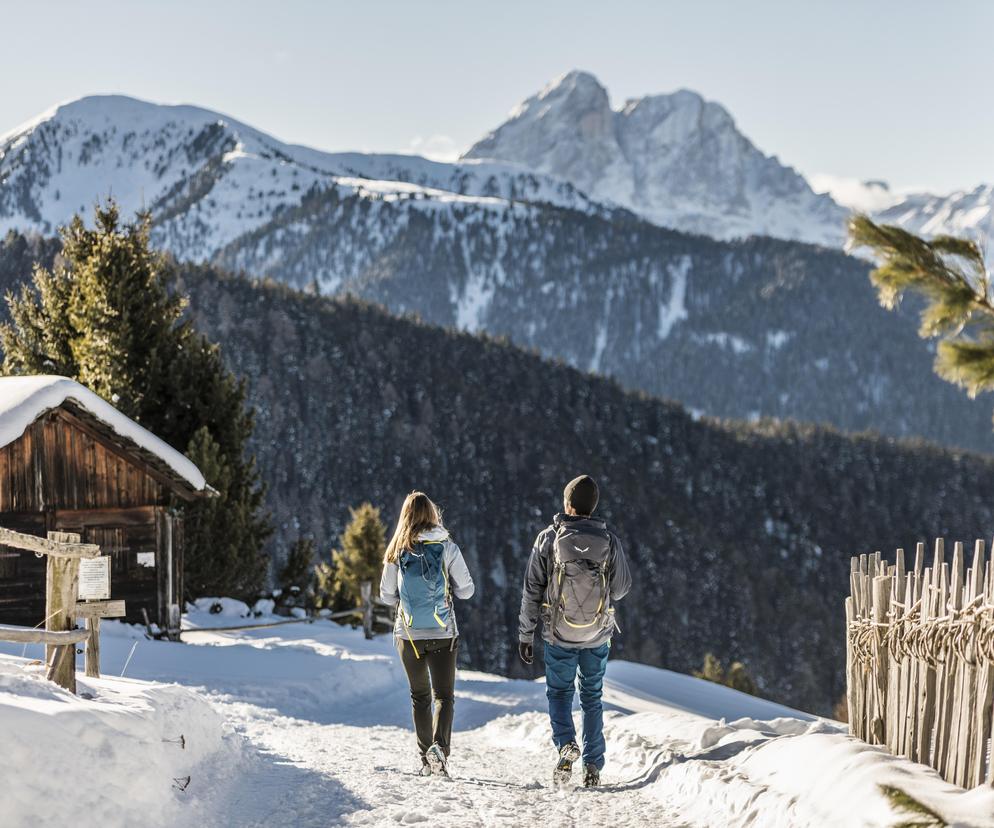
(968, 633)
(920, 658)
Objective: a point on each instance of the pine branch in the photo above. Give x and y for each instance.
(950, 274)
(922, 815)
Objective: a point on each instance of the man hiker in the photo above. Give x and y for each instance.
(576, 569)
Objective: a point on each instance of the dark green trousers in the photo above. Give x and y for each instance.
(432, 671)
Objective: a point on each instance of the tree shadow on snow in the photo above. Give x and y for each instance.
(273, 790)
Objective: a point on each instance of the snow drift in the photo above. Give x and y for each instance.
(119, 751)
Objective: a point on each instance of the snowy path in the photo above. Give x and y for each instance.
(371, 781)
(309, 725)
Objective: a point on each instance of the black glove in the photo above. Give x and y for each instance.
(526, 651)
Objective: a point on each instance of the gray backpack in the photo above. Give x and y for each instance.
(578, 595)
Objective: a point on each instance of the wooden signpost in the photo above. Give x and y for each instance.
(74, 571)
(94, 592)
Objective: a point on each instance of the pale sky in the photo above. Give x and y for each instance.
(898, 90)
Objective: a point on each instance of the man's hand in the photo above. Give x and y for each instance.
(526, 651)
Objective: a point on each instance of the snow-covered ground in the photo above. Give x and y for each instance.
(308, 725)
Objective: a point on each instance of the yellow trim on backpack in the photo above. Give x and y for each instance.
(407, 629)
(600, 606)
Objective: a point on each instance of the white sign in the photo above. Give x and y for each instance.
(94, 578)
(146, 559)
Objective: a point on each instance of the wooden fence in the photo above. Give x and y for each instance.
(920, 659)
(373, 611)
(63, 551)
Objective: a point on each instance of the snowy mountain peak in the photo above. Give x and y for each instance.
(209, 179)
(575, 83)
(676, 158)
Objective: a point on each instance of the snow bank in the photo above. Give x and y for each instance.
(24, 399)
(640, 688)
(707, 749)
(110, 756)
(778, 773)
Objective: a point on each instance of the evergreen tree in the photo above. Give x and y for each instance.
(361, 555)
(297, 570)
(325, 591)
(104, 316)
(222, 532)
(737, 676)
(951, 275)
(711, 669)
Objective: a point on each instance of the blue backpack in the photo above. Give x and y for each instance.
(424, 587)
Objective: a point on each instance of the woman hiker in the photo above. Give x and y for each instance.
(422, 569)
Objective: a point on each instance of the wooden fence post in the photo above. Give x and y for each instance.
(366, 592)
(93, 648)
(881, 660)
(60, 604)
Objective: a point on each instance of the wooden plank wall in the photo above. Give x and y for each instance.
(57, 464)
(122, 534)
(920, 658)
(22, 575)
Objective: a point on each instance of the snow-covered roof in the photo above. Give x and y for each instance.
(24, 399)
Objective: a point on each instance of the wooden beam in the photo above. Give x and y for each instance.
(46, 546)
(110, 516)
(100, 609)
(27, 635)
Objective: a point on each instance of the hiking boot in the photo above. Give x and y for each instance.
(568, 754)
(591, 776)
(425, 769)
(437, 761)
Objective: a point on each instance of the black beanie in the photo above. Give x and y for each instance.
(581, 493)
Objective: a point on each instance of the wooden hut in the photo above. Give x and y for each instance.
(70, 461)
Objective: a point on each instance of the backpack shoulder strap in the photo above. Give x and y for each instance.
(550, 559)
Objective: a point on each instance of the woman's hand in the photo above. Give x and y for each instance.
(526, 652)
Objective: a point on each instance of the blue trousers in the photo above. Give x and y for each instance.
(561, 667)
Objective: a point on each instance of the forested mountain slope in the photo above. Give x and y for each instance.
(740, 329)
(734, 530)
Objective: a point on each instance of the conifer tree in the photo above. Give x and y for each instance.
(950, 274)
(325, 591)
(737, 676)
(104, 315)
(361, 555)
(296, 572)
(711, 669)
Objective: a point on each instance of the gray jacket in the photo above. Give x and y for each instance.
(459, 579)
(537, 578)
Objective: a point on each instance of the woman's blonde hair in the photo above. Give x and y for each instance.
(417, 515)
